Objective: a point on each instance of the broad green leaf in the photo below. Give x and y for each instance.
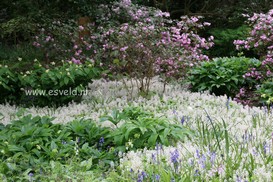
(152, 139)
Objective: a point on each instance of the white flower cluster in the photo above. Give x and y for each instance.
(249, 129)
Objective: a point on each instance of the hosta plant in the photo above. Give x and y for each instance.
(222, 75)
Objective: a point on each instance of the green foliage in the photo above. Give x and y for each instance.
(48, 85)
(146, 132)
(221, 75)
(87, 132)
(266, 92)
(30, 144)
(74, 171)
(9, 55)
(55, 39)
(114, 118)
(21, 18)
(8, 84)
(19, 25)
(223, 40)
(143, 129)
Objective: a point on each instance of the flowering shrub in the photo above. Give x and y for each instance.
(147, 43)
(139, 42)
(260, 39)
(55, 40)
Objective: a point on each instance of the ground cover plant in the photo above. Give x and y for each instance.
(228, 141)
(45, 85)
(31, 144)
(155, 106)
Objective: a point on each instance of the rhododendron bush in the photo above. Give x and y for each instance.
(261, 40)
(146, 42)
(141, 42)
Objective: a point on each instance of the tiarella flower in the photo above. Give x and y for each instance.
(195, 155)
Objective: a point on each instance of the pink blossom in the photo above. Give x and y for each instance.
(81, 27)
(206, 24)
(194, 19)
(48, 38)
(76, 61)
(123, 48)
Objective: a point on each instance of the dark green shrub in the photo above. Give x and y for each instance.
(221, 75)
(9, 55)
(223, 40)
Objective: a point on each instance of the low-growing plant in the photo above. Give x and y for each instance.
(115, 117)
(142, 129)
(221, 75)
(146, 132)
(48, 85)
(265, 91)
(31, 143)
(8, 84)
(88, 132)
(133, 113)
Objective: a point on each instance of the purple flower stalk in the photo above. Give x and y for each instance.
(197, 154)
(183, 120)
(101, 141)
(157, 177)
(153, 158)
(141, 176)
(266, 148)
(174, 156)
(202, 161)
